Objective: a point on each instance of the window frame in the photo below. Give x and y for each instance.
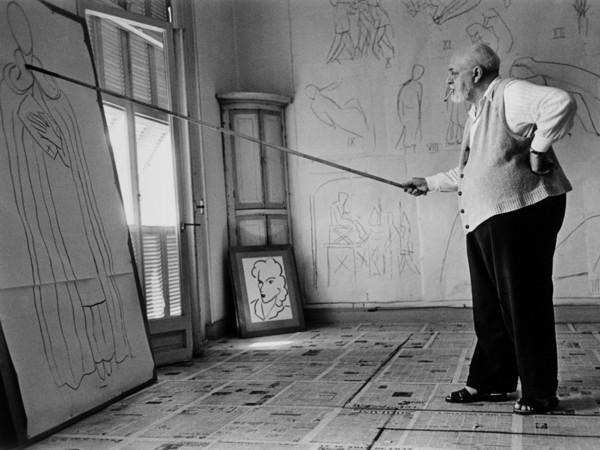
(128, 21)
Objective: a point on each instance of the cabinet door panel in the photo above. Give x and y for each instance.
(278, 230)
(247, 162)
(275, 189)
(252, 230)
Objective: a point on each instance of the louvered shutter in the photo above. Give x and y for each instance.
(153, 274)
(140, 69)
(158, 10)
(107, 46)
(161, 79)
(153, 8)
(173, 272)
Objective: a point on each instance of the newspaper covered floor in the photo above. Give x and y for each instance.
(365, 386)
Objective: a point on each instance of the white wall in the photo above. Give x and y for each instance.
(352, 108)
(215, 57)
(394, 250)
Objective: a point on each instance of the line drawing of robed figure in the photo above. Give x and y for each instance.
(274, 301)
(77, 301)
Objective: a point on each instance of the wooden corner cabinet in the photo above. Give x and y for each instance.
(256, 174)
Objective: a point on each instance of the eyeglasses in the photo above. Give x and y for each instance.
(454, 73)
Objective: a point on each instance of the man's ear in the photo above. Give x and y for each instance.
(477, 74)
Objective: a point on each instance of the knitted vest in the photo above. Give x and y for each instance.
(495, 174)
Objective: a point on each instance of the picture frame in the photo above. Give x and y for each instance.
(267, 297)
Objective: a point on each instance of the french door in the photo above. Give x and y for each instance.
(134, 56)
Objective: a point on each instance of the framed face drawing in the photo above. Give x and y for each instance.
(267, 298)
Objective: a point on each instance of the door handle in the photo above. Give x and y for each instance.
(184, 225)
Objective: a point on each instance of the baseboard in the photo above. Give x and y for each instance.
(324, 316)
(220, 328)
(336, 316)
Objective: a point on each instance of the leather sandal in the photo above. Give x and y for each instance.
(535, 405)
(464, 396)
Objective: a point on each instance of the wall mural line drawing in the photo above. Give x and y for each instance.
(593, 272)
(348, 116)
(415, 121)
(492, 30)
(582, 8)
(80, 320)
(361, 238)
(438, 11)
(580, 82)
(409, 110)
(361, 28)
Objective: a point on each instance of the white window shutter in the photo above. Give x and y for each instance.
(140, 69)
(112, 57)
(172, 253)
(153, 275)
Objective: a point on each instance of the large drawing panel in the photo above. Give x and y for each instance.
(70, 305)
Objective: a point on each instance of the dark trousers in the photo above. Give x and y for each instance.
(510, 263)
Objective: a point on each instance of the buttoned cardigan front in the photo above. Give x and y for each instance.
(494, 173)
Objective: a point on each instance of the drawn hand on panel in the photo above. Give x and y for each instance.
(80, 317)
(47, 135)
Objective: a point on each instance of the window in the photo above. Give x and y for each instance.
(132, 61)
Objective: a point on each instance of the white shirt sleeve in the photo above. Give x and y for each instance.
(444, 181)
(545, 112)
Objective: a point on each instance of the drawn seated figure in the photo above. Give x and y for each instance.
(345, 227)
